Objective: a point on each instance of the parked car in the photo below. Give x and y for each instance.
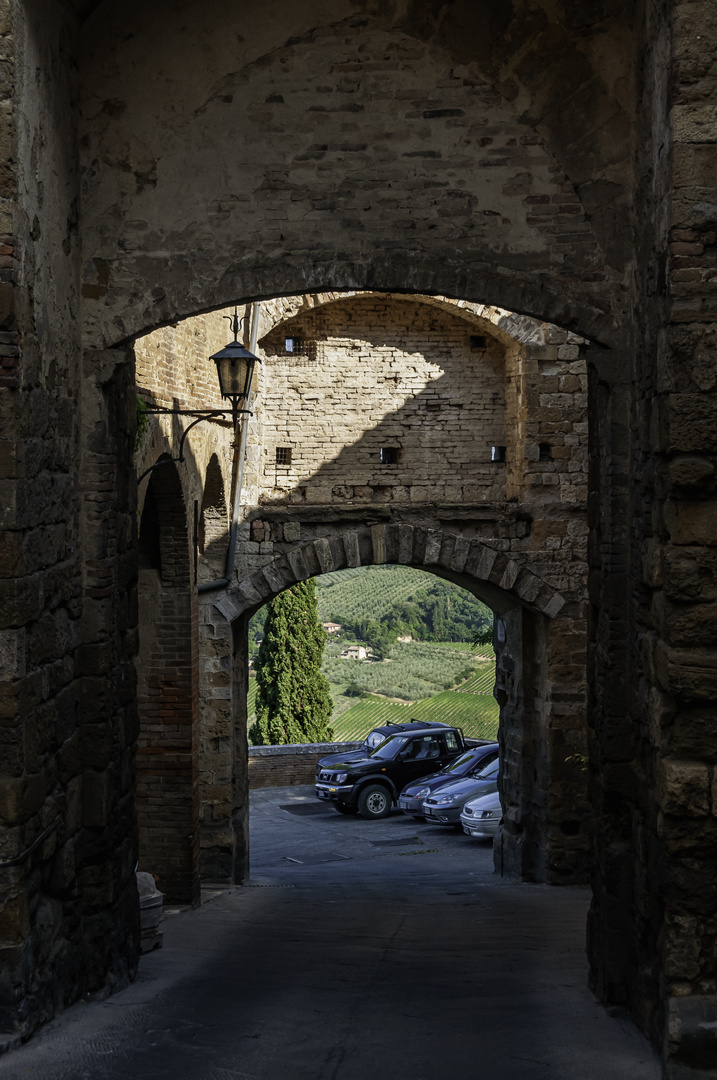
(372, 740)
(482, 816)
(411, 798)
(370, 785)
(444, 808)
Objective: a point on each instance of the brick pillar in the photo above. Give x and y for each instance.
(168, 749)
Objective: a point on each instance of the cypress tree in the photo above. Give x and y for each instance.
(293, 703)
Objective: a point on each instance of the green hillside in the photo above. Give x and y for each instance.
(476, 714)
(436, 675)
(402, 601)
(413, 670)
(366, 591)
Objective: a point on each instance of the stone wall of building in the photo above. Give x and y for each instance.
(377, 373)
(68, 902)
(555, 160)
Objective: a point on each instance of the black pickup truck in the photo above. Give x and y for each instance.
(370, 784)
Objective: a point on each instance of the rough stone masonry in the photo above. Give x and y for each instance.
(163, 161)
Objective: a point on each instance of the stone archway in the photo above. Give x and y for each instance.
(547, 819)
(498, 579)
(213, 523)
(516, 230)
(113, 250)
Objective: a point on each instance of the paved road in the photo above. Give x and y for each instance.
(388, 949)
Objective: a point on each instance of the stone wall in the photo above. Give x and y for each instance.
(556, 160)
(287, 766)
(167, 795)
(68, 904)
(357, 138)
(381, 372)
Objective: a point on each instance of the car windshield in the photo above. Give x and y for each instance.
(390, 747)
(464, 759)
(489, 771)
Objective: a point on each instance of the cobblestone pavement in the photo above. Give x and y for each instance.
(386, 949)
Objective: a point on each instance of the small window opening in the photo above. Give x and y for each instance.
(292, 345)
(545, 452)
(479, 341)
(283, 455)
(433, 406)
(389, 455)
(497, 453)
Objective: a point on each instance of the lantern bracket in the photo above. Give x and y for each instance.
(200, 414)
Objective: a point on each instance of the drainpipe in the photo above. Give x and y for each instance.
(220, 583)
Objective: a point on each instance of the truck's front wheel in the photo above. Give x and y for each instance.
(374, 802)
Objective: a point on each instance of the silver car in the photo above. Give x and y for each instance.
(444, 808)
(482, 816)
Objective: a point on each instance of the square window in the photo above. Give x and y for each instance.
(283, 455)
(497, 454)
(544, 452)
(389, 455)
(479, 341)
(292, 345)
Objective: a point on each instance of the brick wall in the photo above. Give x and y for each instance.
(382, 372)
(167, 793)
(286, 766)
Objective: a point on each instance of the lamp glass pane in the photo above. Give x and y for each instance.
(232, 374)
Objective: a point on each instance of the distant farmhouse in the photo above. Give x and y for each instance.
(354, 652)
(331, 627)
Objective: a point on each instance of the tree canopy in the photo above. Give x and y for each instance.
(293, 702)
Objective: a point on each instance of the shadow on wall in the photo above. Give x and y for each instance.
(414, 397)
(212, 529)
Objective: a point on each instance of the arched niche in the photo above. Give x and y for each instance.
(166, 791)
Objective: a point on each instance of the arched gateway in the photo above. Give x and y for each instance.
(547, 819)
(556, 159)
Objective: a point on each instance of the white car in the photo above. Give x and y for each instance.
(482, 816)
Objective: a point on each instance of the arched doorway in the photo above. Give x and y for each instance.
(167, 749)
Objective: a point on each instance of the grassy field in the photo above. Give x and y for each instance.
(477, 714)
(351, 594)
(480, 682)
(415, 670)
(469, 704)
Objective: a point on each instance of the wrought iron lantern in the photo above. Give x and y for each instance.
(235, 369)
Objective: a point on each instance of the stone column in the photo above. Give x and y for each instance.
(220, 732)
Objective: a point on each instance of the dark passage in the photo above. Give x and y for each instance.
(409, 959)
